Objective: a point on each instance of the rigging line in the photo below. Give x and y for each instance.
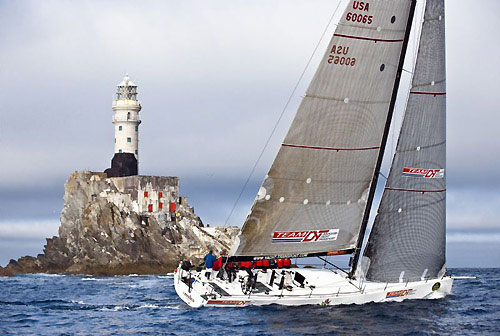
(340, 269)
(380, 173)
(331, 264)
(281, 115)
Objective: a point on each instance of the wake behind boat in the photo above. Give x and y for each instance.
(316, 199)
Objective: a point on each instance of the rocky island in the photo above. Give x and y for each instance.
(120, 222)
(123, 225)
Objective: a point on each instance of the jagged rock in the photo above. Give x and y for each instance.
(104, 232)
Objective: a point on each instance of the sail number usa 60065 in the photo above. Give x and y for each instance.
(360, 17)
(339, 55)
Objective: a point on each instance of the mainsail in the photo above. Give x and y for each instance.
(314, 198)
(407, 241)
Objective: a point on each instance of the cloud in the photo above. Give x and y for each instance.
(208, 90)
(213, 78)
(31, 229)
(473, 207)
(473, 238)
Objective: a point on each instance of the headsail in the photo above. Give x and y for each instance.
(408, 237)
(314, 197)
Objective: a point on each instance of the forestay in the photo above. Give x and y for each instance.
(314, 196)
(407, 241)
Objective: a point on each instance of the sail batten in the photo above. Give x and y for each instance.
(408, 235)
(329, 148)
(423, 191)
(368, 38)
(335, 137)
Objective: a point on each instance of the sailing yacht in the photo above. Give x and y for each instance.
(316, 199)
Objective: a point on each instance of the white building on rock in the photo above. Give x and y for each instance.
(126, 120)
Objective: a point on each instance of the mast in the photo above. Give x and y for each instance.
(373, 186)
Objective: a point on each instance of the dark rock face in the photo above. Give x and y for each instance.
(103, 233)
(122, 164)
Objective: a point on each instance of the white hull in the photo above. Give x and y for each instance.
(321, 287)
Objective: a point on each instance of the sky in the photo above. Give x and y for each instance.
(213, 78)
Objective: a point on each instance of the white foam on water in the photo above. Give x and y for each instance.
(115, 308)
(79, 302)
(460, 277)
(171, 307)
(147, 305)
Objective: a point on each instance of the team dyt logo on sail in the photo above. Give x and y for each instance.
(424, 173)
(305, 236)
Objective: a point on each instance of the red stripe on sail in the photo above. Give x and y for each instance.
(428, 93)
(329, 148)
(416, 190)
(366, 38)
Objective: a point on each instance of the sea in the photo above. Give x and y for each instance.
(44, 304)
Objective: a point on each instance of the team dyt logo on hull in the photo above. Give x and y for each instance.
(308, 236)
(227, 302)
(399, 293)
(423, 173)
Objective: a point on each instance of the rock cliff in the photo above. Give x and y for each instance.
(105, 231)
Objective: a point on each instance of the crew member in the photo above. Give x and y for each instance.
(186, 265)
(185, 268)
(209, 263)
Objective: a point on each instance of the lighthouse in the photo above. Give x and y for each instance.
(126, 122)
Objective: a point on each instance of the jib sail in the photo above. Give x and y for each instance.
(407, 241)
(315, 194)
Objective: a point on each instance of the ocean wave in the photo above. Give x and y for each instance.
(79, 302)
(108, 308)
(70, 306)
(114, 308)
(173, 307)
(168, 276)
(47, 302)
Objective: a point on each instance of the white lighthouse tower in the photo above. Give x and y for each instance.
(126, 118)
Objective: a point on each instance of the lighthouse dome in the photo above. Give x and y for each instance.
(126, 81)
